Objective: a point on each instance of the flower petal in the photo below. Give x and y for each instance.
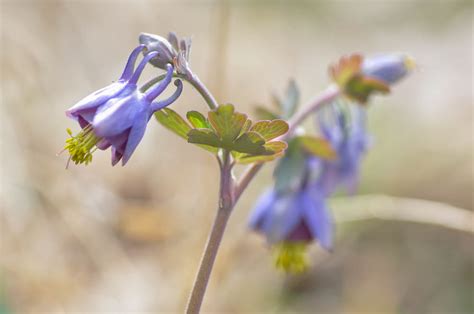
(116, 156)
(387, 68)
(118, 115)
(95, 99)
(285, 216)
(318, 219)
(262, 207)
(135, 136)
(103, 144)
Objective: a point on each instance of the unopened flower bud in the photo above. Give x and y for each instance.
(388, 68)
(166, 52)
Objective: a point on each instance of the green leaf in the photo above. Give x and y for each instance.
(276, 147)
(246, 127)
(265, 114)
(347, 73)
(346, 68)
(317, 146)
(172, 121)
(248, 159)
(227, 123)
(175, 123)
(270, 129)
(273, 149)
(286, 106)
(204, 137)
(292, 98)
(250, 143)
(290, 169)
(198, 120)
(360, 88)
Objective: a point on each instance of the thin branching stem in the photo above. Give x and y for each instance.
(230, 193)
(226, 203)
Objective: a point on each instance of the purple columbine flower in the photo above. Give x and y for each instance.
(388, 68)
(300, 216)
(290, 221)
(117, 115)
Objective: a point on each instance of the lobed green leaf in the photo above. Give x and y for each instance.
(317, 146)
(227, 123)
(290, 169)
(250, 143)
(171, 120)
(204, 137)
(291, 100)
(270, 129)
(265, 114)
(197, 120)
(273, 150)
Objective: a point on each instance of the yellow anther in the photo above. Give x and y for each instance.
(81, 146)
(291, 257)
(410, 63)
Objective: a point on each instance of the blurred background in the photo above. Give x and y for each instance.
(99, 239)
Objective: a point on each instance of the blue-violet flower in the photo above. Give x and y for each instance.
(348, 136)
(291, 220)
(117, 115)
(388, 68)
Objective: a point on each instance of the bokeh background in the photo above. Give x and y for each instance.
(99, 239)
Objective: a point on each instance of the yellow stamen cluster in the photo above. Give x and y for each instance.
(291, 257)
(410, 63)
(81, 146)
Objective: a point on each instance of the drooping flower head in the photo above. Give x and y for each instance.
(359, 77)
(295, 212)
(388, 68)
(166, 53)
(290, 220)
(117, 115)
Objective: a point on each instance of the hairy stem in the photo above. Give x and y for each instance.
(226, 203)
(202, 89)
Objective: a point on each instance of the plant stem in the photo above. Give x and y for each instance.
(228, 194)
(194, 80)
(328, 95)
(226, 203)
(246, 178)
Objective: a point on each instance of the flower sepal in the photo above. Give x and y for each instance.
(359, 77)
(347, 73)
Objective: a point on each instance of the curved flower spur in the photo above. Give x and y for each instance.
(116, 116)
